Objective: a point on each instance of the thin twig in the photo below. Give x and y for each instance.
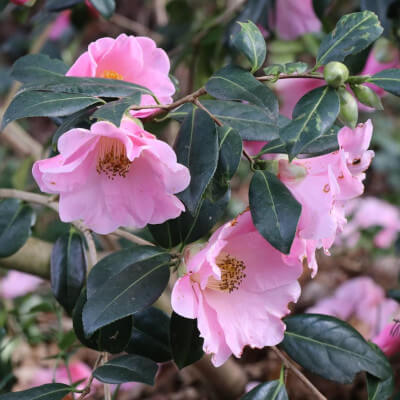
(289, 365)
(86, 389)
(212, 116)
(132, 238)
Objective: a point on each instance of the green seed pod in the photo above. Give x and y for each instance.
(336, 74)
(348, 108)
(367, 96)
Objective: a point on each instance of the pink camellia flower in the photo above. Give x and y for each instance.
(110, 177)
(16, 284)
(294, 18)
(129, 58)
(60, 25)
(368, 212)
(362, 302)
(238, 287)
(322, 185)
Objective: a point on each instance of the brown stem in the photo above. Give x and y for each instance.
(289, 365)
(86, 389)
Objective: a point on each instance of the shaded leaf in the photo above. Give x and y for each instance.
(186, 343)
(275, 212)
(379, 389)
(252, 122)
(46, 104)
(197, 148)
(105, 7)
(59, 5)
(16, 221)
(68, 269)
(353, 33)
(388, 79)
(274, 390)
(150, 335)
(234, 83)
(331, 348)
(313, 115)
(129, 368)
(124, 283)
(250, 41)
(52, 391)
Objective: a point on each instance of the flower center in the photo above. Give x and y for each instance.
(109, 74)
(112, 159)
(232, 274)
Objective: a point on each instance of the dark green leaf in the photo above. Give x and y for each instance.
(313, 115)
(16, 221)
(37, 66)
(250, 41)
(252, 122)
(186, 343)
(79, 119)
(274, 390)
(394, 294)
(130, 368)
(105, 7)
(112, 338)
(187, 228)
(379, 389)
(46, 104)
(320, 7)
(52, 391)
(353, 33)
(68, 269)
(197, 148)
(234, 83)
(380, 8)
(331, 348)
(230, 153)
(124, 283)
(150, 335)
(275, 212)
(327, 143)
(59, 5)
(388, 79)
(115, 110)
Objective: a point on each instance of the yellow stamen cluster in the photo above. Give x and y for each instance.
(112, 159)
(109, 74)
(232, 274)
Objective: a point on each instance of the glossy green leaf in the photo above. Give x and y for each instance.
(128, 368)
(313, 115)
(37, 66)
(381, 9)
(112, 338)
(105, 7)
(186, 343)
(52, 391)
(197, 148)
(187, 228)
(150, 335)
(275, 212)
(68, 269)
(234, 83)
(252, 122)
(379, 389)
(230, 153)
(59, 5)
(388, 79)
(115, 110)
(16, 221)
(124, 283)
(331, 348)
(274, 390)
(250, 41)
(46, 104)
(353, 33)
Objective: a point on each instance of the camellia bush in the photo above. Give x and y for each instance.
(154, 262)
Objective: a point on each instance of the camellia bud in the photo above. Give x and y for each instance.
(348, 108)
(367, 96)
(336, 74)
